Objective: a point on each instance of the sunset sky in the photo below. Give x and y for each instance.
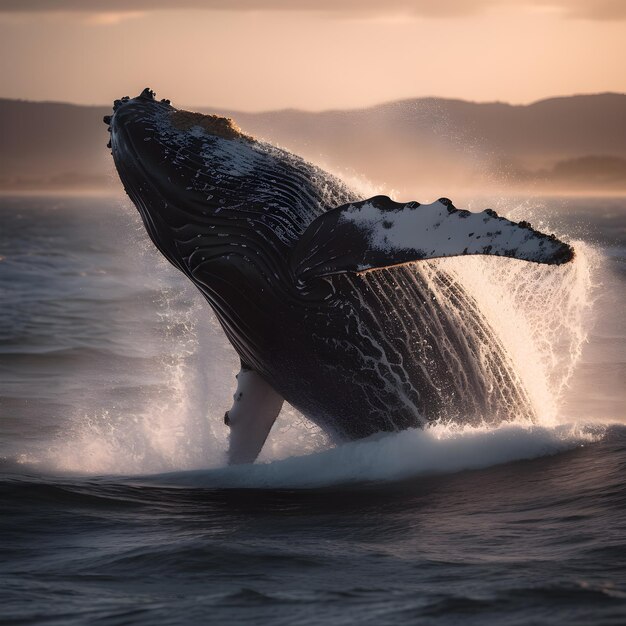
(311, 54)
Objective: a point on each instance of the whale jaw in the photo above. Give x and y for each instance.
(164, 159)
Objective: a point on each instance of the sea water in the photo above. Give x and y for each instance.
(117, 506)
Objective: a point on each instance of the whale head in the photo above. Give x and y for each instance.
(180, 169)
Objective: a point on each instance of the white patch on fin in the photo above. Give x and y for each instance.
(255, 408)
(379, 233)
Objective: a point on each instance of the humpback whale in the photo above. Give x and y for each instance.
(329, 299)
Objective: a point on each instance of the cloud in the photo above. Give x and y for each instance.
(581, 9)
(109, 18)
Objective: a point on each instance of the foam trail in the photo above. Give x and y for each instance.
(398, 456)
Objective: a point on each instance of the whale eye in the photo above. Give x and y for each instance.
(226, 419)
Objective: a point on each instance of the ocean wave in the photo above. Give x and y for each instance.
(398, 456)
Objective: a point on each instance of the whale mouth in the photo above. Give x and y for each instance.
(174, 166)
(155, 145)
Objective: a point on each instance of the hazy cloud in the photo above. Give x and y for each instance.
(113, 17)
(585, 9)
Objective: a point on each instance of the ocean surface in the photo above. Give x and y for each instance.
(116, 506)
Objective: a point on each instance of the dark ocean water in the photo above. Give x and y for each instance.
(115, 507)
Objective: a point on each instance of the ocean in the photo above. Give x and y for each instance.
(116, 506)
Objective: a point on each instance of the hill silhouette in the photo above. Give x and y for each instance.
(416, 147)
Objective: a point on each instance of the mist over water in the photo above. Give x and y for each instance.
(114, 379)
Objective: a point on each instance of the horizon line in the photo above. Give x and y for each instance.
(338, 109)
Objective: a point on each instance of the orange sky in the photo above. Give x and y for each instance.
(311, 55)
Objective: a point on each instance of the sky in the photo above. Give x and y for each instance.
(256, 55)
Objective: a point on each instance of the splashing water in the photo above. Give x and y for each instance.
(396, 456)
(540, 315)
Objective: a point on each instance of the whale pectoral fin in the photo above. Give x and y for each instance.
(255, 408)
(379, 232)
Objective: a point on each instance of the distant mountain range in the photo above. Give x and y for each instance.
(419, 148)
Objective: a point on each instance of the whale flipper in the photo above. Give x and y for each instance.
(255, 408)
(379, 232)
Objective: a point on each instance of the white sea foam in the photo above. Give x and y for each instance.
(396, 456)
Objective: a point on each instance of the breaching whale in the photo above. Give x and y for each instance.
(328, 298)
